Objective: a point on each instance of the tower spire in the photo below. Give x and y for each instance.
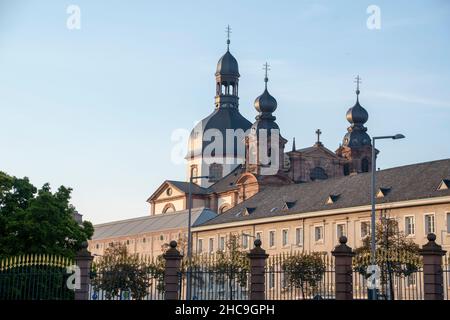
(293, 145)
(228, 31)
(266, 68)
(357, 81)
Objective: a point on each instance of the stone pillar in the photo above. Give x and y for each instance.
(433, 281)
(83, 260)
(343, 256)
(257, 258)
(173, 263)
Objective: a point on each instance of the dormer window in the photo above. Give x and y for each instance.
(249, 211)
(332, 198)
(444, 185)
(288, 205)
(382, 192)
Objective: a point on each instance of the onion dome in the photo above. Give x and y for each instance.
(265, 103)
(227, 65)
(357, 116)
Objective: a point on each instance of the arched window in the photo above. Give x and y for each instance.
(224, 207)
(194, 172)
(215, 172)
(346, 169)
(168, 208)
(318, 173)
(365, 165)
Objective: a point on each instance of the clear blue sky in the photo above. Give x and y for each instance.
(94, 109)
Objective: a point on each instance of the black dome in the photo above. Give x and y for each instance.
(227, 65)
(221, 119)
(357, 114)
(265, 103)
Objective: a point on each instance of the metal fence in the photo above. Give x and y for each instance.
(299, 275)
(401, 276)
(133, 278)
(35, 277)
(219, 276)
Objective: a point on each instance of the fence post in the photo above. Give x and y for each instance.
(433, 281)
(83, 260)
(257, 258)
(343, 255)
(173, 263)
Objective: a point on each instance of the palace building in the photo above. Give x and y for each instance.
(301, 199)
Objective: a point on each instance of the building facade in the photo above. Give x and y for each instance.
(302, 199)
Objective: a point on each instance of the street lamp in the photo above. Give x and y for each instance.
(189, 244)
(372, 200)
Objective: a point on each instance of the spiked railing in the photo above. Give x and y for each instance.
(35, 277)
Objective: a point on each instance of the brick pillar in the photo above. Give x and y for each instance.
(257, 258)
(83, 260)
(343, 256)
(433, 281)
(173, 263)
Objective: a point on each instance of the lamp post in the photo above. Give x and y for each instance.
(189, 244)
(372, 200)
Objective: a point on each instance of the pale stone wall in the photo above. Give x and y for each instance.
(352, 224)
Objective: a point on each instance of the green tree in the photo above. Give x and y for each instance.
(119, 271)
(230, 266)
(396, 254)
(304, 270)
(38, 221)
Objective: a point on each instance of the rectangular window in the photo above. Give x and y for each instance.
(429, 224)
(340, 230)
(299, 236)
(448, 225)
(244, 241)
(271, 278)
(410, 226)
(200, 246)
(365, 229)
(222, 243)
(272, 239)
(211, 245)
(285, 237)
(318, 233)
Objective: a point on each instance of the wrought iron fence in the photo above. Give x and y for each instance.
(300, 275)
(35, 277)
(132, 278)
(401, 275)
(218, 276)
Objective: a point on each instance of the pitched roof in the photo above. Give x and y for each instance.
(228, 182)
(417, 181)
(154, 223)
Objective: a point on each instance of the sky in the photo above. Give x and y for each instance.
(95, 108)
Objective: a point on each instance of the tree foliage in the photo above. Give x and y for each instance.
(119, 271)
(396, 253)
(304, 270)
(38, 220)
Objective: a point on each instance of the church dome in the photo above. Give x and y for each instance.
(265, 103)
(357, 114)
(227, 65)
(218, 122)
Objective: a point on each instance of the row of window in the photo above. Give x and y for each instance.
(341, 230)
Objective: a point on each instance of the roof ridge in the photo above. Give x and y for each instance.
(151, 216)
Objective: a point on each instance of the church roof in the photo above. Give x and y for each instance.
(147, 224)
(228, 182)
(410, 182)
(221, 119)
